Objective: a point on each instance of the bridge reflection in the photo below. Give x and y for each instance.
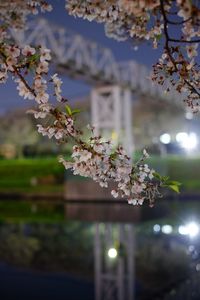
(115, 231)
(101, 234)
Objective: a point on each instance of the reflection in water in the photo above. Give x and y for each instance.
(104, 255)
(69, 248)
(114, 261)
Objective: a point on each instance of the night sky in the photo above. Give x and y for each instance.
(73, 89)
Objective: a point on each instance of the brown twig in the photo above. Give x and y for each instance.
(168, 39)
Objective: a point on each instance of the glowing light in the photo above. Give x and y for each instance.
(112, 253)
(183, 230)
(165, 138)
(192, 141)
(156, 228)
(181, 137)
(187, 141)
(193, 229)
(167, 229)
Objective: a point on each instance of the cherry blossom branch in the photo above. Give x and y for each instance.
(17, 72)
(93, 158)
(168, 48)
(183, 41)
(177, 23)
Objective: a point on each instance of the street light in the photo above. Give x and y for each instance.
(167, 229)
(165, 138)
(187, 141)
(191, 229)
(156, 228)
(181, 137)
(112, 253)
(183, 230)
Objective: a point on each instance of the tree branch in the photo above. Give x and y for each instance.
(168, 49)
(183, 41)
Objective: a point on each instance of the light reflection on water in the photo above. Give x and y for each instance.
(40, 245)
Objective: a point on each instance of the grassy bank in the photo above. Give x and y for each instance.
(31, 175)
(47, 175)
(181, 168)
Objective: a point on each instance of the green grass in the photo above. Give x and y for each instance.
(181, 168)
(30, 167)
(18, 175)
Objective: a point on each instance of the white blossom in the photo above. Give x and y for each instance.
(114, 193)
(27, 50)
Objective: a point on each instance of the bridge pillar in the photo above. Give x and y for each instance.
(112, 114)
(114, 276)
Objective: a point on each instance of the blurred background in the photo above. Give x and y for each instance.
(61, 237)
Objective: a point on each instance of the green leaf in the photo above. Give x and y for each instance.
(76, 111)
(164, 178)
(113, 156)
(160, 177)
(33, 57)
(174, 188)
(68, 110)
(173, 182)
(157, 175)
(158, 37)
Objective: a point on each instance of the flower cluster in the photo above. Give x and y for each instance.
(122, 18)
(13, 13)
(152, 20)
(96, 158)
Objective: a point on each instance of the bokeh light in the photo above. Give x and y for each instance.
(167, 229)
(112, 253)
(165, 138)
